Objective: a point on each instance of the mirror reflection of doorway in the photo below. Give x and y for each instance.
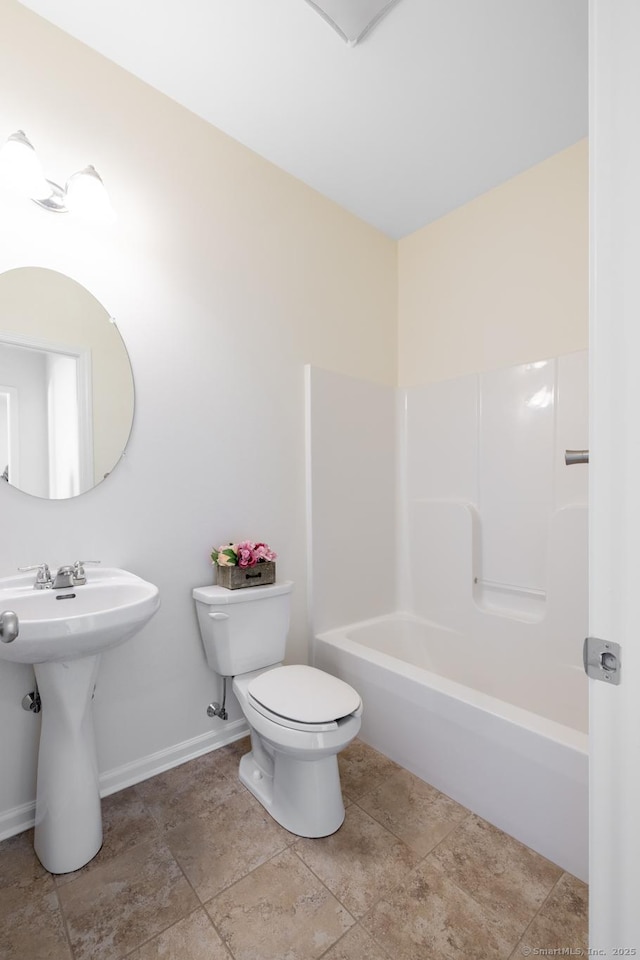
(9, 465)
(47, 312)
(45, 416)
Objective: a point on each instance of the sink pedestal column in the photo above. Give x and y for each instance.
(68, 816)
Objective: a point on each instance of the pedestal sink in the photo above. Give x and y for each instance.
(62, 633)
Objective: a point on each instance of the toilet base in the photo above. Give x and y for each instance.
(303, 796)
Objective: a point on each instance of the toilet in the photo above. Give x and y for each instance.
(300, 717)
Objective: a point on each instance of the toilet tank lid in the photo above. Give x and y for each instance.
(303, 693)
(217, 595)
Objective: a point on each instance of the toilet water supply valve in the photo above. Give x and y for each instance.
(218, 710)
(32, 702)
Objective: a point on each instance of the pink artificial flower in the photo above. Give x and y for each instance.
(245, 551)
(264, 552)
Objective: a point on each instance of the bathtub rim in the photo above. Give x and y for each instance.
(517, 716)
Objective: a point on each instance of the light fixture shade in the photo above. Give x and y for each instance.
(20, 169)
(352, 19)
(86, 196)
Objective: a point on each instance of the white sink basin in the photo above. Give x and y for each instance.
(75, 621)
(62, 633)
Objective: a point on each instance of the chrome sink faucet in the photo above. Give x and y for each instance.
(79, 576)
(43, 576)
(63, 578)
(67, 576)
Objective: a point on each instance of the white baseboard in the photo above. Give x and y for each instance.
(17, 819)
(22, 817)
(129, 773)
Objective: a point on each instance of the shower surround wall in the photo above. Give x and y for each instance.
(452, 501)
(463, 629)
(493, 522)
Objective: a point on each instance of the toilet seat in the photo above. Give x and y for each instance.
(303, 698)
(291, 724)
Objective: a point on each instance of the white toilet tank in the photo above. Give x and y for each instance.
(246, 629)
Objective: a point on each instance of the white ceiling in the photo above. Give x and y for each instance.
(441, 101)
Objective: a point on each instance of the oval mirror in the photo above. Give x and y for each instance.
(66, 386)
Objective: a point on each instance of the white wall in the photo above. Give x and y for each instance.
(226, 276)
(4, 427)
(615, 468)
(25, 372)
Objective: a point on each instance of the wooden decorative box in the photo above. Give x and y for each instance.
(233, 578)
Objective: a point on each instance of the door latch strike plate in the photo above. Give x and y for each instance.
(602, 660)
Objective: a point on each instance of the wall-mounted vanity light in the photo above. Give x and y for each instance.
(84, 192)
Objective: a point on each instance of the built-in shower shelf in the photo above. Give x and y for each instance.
(510, 600)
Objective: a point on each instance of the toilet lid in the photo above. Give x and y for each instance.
(304, 694)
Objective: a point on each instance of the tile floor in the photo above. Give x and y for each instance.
(192, 868)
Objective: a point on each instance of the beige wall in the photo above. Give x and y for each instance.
(269, 252)
(502, 280)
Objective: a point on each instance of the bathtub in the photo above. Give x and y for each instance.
(505, 740)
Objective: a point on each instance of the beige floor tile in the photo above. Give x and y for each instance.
(279, 911)
(278, 896)
(126, 901)
(413, 810)
(429, 916)
(228, 758)
(22, 876)
(562, 923)
(125, 822)
(217, 850)
(362, 769)
(498, 871)
(34, 930)
(360, 862)
(191, 790)
(193, 938)
(356, 944)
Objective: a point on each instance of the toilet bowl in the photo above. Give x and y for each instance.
(292, 768)
(299, 717)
